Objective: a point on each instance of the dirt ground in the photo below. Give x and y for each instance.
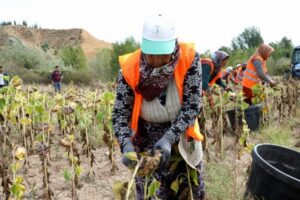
(99, 187)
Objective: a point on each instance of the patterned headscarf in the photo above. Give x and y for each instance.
(218, 58)
(264, 50)
(153, 81)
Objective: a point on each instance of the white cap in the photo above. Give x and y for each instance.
(229, 69)
(158, 28)
(190, 150)
(158, 36)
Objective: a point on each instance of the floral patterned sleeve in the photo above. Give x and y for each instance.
(122, 110)
(192, 100)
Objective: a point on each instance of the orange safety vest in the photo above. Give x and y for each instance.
(250, 77)
(223, 73)
(224, 76)
(231, 77)
(210, 62)
(240, 74)
(130, 65)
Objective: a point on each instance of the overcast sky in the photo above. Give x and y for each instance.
(210, 24)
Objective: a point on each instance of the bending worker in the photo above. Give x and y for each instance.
(158, 98)
(256, 71)
(211, 73)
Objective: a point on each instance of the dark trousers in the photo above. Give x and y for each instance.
(248, 94)
(57, 86)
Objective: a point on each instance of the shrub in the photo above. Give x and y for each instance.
(26, 57)
(45, 47)
(100, 65)
(78, 77)
(30, 76)
(74, 57)
(279, 66)
(118, 49)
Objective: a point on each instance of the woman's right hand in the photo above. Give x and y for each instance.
(272, 83)
(128, 149)
(164, 145)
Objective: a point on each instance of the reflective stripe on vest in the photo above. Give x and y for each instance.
(223, 73)
(210, 62)
(213, 81)
(130, 65)
(250, 77)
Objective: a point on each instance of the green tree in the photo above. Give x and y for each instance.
(226, 49)
(121, 48)
(5, 23)
(283, 48)
(74, 56)
(280, 58)
(206, 54)
(45, 47)
(249, 38)
(285, 43)
(24, 23)
(100, 65)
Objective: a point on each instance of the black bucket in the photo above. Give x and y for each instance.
(275, 173)
(252, 117)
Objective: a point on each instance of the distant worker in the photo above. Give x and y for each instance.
(56, 79)
(4, 78)
(225, 74)
(211, 73)
(256, 71)
(232, 78)
(240, 71)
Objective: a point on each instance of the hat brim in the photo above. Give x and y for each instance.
(158, 47)
(191, 151)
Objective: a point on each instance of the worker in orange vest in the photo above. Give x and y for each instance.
(211, 73)
(232, 78)
(240, 72)
(256, 71)
(158, 98)
(227, 74)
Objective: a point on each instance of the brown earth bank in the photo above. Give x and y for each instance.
(54, 38)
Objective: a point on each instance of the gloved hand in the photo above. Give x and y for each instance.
(128, 148)
(228, 89)
(165, 146)
(272, 83)
(232, 96)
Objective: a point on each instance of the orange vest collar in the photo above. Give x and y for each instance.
(130, 66)
(250, 77)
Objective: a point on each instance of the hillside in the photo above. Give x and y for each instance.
(54, 38)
